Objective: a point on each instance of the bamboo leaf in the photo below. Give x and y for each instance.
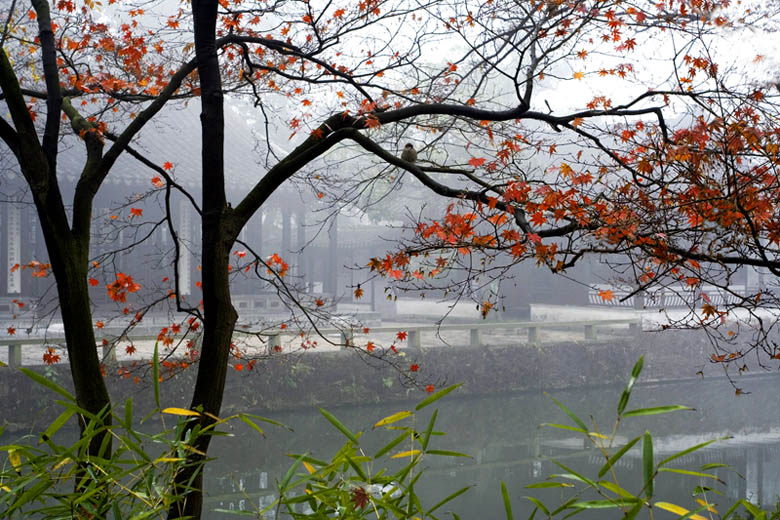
(614, 458)
(573, 475)
(540, 485)
(630, 385)
(408, 453)
(709, 507)
(690, 473)
(568, 412)
(656, 410)
(290, 473)
(508, 503)
(58, 423)
(156, 375)
(447, 453)
(597, 504)
(611, 486)
(181, 411)
(168, 459)
(339, 426)
(685, 452)
(392, 444)
(129, 413)
(357, 468)
(251, 424)
(647, 463)
(51, 385)
(16, 459)
(435, 397)
(714, 465)
(429, 430)
(447, 499)
(673, 508)
(393, 418)
(631, 514)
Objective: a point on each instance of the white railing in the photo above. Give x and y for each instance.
(346, 335)
(667, 297)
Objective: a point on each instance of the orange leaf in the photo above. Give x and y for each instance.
(606, 295)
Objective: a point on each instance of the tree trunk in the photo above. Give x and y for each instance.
(68, 257)
(218, 236)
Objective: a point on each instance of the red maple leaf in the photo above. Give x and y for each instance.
(359, 497)
(401, 335)
(476, 162)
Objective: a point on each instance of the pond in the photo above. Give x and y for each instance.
(502, 434)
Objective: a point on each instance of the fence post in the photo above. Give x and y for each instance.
(590, 331)
(347, 338)
(274, 340)
(476, 337)
(635, 328)
(413, 339)
(533, 334)
(14, 356)
(109, 352)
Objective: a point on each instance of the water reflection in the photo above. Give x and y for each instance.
(503, 436)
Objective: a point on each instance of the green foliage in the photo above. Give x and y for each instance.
(42, 478)
(348, 487)
(606, 493)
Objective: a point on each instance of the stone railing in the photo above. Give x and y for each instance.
(346, 334)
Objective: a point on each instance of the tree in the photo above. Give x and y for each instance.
(469, 107)
(484, 108)
(683, 203)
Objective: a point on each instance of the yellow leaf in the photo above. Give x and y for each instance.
(709, 507)
(677, 510)
(409, 453)
(181, 411)
(308, 467)
(16, 460)
(579, 75)
(393, 418)
(168, 459)
(61, 463)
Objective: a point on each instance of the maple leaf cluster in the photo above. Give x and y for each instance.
(118, 289)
